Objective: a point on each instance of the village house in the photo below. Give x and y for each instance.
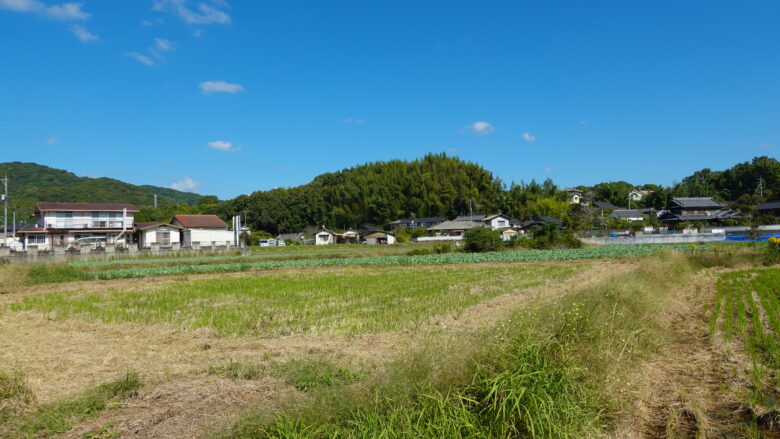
(69, 223)
(324, 237)
(576, 196)
(203, 230)
(769, 208)
(637, 195)
(697, 209)
(164, 235)
(379, 237)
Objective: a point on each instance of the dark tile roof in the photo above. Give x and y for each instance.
(604, 205)
(769, 205)
(200, 221)
(46, 206)
(697, 202)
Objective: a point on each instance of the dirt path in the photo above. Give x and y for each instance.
(689, 389)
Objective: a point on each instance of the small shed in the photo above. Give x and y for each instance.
(164, 234)
(379, 237)
(324, 237)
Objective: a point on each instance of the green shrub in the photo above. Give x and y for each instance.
(444, 247)
(419, 252)
(482, 239)
(553, 235)
(773, 251)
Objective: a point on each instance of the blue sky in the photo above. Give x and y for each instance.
(230, 97)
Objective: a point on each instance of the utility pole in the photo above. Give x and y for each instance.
(5, 208)
(155, 201)
(760, 188)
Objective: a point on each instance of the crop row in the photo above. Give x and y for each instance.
(614, 251)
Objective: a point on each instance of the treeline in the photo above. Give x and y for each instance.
(439, 185)
(743, 186)
(380, 192)
(31, 182)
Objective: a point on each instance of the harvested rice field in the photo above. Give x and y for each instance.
(668, 343)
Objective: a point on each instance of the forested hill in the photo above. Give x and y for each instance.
(31, 182)
(374, 193)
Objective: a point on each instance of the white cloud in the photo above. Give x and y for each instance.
(186, 185)
(529, 137)
(223, 145)
(452, 150)
(201, 12)
(143, 59)
(62, 12)
(355, 121)
(583, 122)
(549, 170)
(480, 128)
(163, 44)
(209, 87)
(765, 147)
(52, 140)
(82, 34)
(67, 12)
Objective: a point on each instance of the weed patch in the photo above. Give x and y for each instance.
(235, 370)
(59, 417)
(309, 375)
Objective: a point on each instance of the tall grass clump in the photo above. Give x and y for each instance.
(59, 417)
(15, 399)
(52, 273)
(556, 369)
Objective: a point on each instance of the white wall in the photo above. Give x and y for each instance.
(372, 240)
(206, 236)
(495, 223)
(149, 236)
(82, 219)
(323, 238)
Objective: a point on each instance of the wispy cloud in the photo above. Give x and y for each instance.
(67, 12)
(549, 170)
(765, 147)
(210, 87)
(186, 185)
(223, 145)
(480, 128)
(52, 140)
(583, 122)
(451, 150)
(355, 121)
(82, 34)
(141, 58)
(62, 12)
(201, 12)
(529, 137)
(163, 45)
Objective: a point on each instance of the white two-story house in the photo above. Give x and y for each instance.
(64, 223)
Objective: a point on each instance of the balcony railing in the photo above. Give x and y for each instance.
(87, 225)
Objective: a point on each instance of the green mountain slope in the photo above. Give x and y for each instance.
(31, 182)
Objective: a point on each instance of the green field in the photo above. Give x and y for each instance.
(349, 302)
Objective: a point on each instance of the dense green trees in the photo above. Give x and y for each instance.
(31, 182)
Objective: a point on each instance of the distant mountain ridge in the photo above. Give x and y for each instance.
(31, 182)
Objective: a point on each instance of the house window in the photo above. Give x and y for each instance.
(64, 220)
(323, 237)
(36, 239)
(501, 223)
(164, 238)
(79, 235)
